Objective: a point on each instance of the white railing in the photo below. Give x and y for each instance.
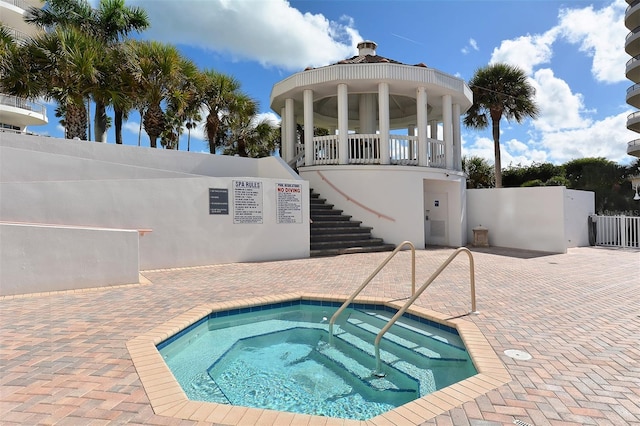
(366, 148)
(22, 103)
(436, 154)
(404, 150)
(325, 149)
(617, 231)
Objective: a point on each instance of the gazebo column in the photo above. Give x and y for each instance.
(433, 129)
(291, 130)
(343, 124)
(411, 131)
(383, 118)
(447, 130)
(283, 133)
(421, 111)
(457, 139)
(308, 127)
(367, 113)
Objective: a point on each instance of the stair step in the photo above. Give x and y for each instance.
(333, 232)
(356, 236)
(326, 230)
(321, 207)
(350, 250)
(329, 224)
(346, 244)
(326, 212)
(329, 217)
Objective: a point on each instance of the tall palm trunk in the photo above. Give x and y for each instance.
(212, 127)
(76, 121)
(100, 122)
(154, 123)
(495, 128)
(118, 115)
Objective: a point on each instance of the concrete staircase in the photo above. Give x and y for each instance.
(334, 233)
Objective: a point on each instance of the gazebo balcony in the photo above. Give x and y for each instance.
(404, 150)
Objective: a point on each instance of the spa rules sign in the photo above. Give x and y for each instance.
(289, 202)
(247, 201)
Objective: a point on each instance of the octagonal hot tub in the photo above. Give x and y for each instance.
(226, 362)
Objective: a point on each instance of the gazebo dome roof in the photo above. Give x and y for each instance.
(363, 73)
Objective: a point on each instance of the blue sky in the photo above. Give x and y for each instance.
(573, 52)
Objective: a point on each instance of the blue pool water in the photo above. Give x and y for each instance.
(281, 358)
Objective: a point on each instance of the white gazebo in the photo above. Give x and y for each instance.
(392, 156)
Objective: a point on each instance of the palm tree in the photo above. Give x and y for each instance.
(248, 138)
(109, 24)
(500, 90)
(61, 65)
(160, 66)
(478, 171)
(219, 92)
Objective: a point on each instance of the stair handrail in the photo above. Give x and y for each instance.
(378, 371)
(373, 274)
(293, 163)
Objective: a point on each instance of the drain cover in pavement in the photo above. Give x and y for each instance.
(516, 354)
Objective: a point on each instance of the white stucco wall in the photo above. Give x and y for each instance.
(75, 183)
(578, 206)
(538, 218)
(79, 258)
(389, 198)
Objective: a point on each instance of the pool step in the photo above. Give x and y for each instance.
(350, 368)
(434, 346)
(405, 363)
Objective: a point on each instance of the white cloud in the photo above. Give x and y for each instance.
(527, 51)
(600, 33)
(559, 107)
(512, 152)
(605, 138)
(473, 44)
(270, 32)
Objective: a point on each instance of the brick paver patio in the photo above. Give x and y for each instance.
(63, 356)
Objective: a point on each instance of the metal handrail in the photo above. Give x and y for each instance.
(378, 372)
(373, 274)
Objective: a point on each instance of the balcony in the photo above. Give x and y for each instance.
(632, 15)
(632, 42)
(633, 95)
(13, 12)
(19, 112)
(633, 148)
(633, 121)
(633, 69)
(404, 150)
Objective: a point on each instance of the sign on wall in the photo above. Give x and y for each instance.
(247, 201)
(218, 201)
(289, 202)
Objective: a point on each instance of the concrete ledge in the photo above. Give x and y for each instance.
(45, 258)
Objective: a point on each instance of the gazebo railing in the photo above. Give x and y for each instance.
(365, 149)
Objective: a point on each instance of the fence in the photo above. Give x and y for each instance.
(617, 231)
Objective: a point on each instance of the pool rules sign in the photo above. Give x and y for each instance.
(289, 202)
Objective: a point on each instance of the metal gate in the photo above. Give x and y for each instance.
(615, 231)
